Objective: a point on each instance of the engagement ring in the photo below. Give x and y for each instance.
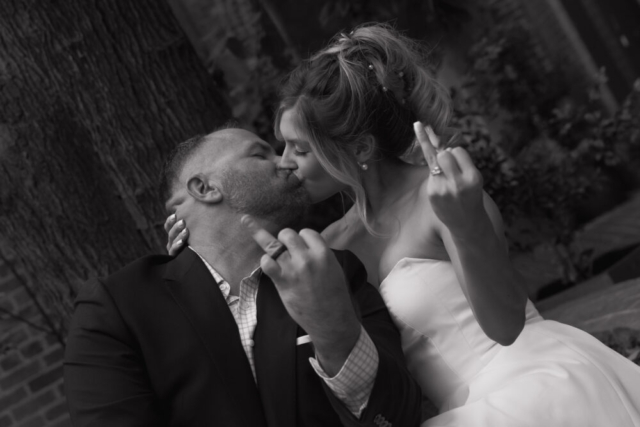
(436, 170)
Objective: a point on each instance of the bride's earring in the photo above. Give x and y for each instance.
(363, 166)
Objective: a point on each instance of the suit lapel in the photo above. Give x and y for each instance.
(275, 356)
(194, 290)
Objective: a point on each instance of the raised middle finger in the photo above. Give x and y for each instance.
(428, 150)
(269, 244)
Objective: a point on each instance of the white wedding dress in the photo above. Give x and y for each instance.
(553, 375)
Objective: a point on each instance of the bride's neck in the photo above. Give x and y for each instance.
(384, 183)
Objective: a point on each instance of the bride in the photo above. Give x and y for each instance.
(433, 243)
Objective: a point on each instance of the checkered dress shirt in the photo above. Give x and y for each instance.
(352, 385)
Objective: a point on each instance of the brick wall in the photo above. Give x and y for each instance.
(31, 393)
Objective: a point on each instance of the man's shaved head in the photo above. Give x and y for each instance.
(185, 153)
(242, 169)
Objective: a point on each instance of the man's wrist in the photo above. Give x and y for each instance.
(333, 352)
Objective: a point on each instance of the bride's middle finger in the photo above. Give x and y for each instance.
(170, 222)
(177, 228)
(448, 164)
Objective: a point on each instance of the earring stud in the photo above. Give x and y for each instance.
(364, 166)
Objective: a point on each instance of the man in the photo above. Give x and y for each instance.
(207, 339)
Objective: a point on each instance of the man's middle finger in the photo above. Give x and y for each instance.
(269, 244)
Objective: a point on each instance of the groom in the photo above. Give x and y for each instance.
(207, 338)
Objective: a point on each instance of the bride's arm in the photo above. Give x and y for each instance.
(492, 286)
(471, 228)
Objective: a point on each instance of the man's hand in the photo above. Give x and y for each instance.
(313, 289)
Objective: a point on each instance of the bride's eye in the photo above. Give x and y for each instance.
(299, 153)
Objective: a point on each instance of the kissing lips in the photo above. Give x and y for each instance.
(290, 177)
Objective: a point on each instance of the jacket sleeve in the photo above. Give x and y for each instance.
(104, 376)
(396, 398)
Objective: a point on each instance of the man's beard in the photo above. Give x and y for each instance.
(281, 201)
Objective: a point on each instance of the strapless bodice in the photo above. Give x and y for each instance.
(443, 343)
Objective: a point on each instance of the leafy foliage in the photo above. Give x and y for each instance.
(542, 151)
(550, 151)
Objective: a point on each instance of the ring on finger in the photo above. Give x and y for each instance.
(275, 254)
(436, 170)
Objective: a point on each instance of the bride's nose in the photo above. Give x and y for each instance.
(286, 161)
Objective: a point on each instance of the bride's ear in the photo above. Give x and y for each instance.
(203, 190)
(365, 148)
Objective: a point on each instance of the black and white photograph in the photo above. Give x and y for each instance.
(310, 213)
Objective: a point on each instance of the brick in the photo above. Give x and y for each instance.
(6, 421)
(21, 297)
(65, 422)
(51, 339)
(7, 325)
(33, 405)
(10, 361)
(6, 304)
(4, 270)
(33, 422)
(12, 398)
(9, 284)
(32, 349)
(45, 379)
(15, 338)
(57, 411)
(20, 375)
(29, 312)
(54, 357)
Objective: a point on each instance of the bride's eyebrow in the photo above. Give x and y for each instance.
(297, 141)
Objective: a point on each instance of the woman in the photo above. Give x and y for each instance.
(432, 241)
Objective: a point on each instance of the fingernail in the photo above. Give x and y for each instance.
(245, 220)
(172, 217)
(181, 223)
(449, 149)
(178, 242)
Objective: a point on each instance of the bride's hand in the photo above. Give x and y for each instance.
(454, 186)
(177, 235)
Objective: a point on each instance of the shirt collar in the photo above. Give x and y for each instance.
(255, 274)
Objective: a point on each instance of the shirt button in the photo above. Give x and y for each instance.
(251, 343)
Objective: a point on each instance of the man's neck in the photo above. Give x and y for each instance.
(230, 250)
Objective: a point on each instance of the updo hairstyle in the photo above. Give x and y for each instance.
(371, 82)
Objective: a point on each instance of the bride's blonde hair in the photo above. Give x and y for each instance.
(371, 82)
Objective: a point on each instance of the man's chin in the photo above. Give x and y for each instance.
(291, 215)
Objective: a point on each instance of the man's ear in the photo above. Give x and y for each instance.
(203, 190)
(365, 148)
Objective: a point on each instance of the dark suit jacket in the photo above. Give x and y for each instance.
(155, 344)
